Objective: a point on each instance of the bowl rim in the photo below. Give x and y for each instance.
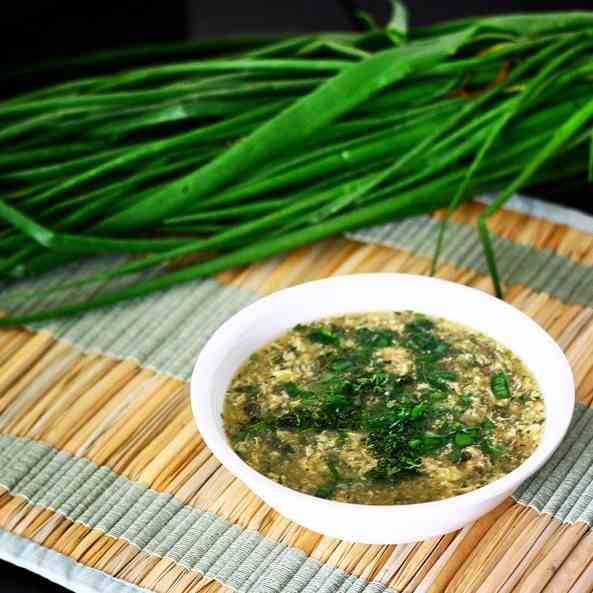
(223, 451)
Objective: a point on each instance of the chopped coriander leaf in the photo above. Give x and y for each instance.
(431, 441)
(374, 338)
(418, 410)
(324, 335)
(277, 358)
(445, 375)
(336, 400)
(419, 336)
(333, 470)
(342, 438)
(438, 396)
(341, 364)
(254, 429)
(438, 411)
(487, 424)
(248, 389)
(466, 437)
(499, 383)
(465, 400)
(493, 451)
(291, 389)
(434, 376)
(326, 490)
(455, 455)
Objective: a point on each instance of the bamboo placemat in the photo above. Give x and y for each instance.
(106, 485)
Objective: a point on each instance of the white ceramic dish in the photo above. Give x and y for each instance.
(271, 316)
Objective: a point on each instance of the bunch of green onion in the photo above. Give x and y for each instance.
(270, 145)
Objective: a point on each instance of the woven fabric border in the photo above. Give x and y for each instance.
(546, 210)
(161, 525)
(543, 270)
(166, 331)
(59, 568)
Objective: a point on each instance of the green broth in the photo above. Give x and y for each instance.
(383, 408)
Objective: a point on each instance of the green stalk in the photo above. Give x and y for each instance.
(285, 142)
(294, 124)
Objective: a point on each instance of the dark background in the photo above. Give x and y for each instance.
(52, 28)
(32, 32)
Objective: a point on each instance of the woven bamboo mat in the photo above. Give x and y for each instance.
(106, 485)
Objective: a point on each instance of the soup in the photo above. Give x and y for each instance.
(383, 408)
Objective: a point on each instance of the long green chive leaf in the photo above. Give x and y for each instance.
(399, 22)
(560, 137)
(272, 144)
(519, 101)
(337, 96)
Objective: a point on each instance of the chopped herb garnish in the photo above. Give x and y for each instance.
(465, 400)
(333, 470)
(419, 336)
(467, 437)
(430, 441)
(324, 335)
(326, 491)
(487, 424)
(418, 410)
(455, 455)
(248, 389)
(438, 396)
(341, 364)
(291, 389)
(254, 429)
(493, 451)
(374, 338)
(499, 383)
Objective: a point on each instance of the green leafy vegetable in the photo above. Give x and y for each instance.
(465, 400)
(326, 491)
(467, 437)
(275, 143)
(323, 335)
(291, 389)
(418, 410)
(499, 384)
(374, 338)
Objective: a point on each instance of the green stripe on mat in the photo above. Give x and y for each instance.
(563, 488)
(59, 568)
(543, 270)
(164, 331)
(161, 525)
(546, 210)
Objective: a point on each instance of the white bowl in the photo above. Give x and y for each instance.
(273, 315)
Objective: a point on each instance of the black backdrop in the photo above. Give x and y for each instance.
(30, 31)
(34, 31)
